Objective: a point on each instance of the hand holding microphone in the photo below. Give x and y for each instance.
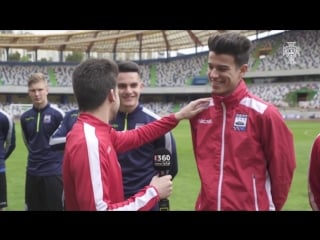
(161, 162)
(163, 185)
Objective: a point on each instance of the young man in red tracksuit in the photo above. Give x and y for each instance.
(314, 175)
(91, 172)
(243, 149)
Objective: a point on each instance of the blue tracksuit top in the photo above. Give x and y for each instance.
(37, 127)
(137, 164)
(7, 138)
(58, 138)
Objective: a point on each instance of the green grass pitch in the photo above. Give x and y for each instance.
(186, 183)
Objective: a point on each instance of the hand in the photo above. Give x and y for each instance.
(193, 108)
(163, 185)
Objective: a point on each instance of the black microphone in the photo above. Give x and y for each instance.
(161, 162)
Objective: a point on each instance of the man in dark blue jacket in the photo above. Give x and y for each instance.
(7, 145)
(44, 168)
(137, 164)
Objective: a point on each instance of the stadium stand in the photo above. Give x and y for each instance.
(294, 87)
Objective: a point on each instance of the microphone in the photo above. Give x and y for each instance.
(161, 162)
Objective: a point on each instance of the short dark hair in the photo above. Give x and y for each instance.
(231, 43)
(129, 66)
(92, 80)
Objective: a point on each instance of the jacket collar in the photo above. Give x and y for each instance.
(235, 97)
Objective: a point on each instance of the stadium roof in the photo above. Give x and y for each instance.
(111, 41)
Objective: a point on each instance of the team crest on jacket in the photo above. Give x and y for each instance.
(240, 122)
(47, 119)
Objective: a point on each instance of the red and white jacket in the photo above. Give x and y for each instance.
(92, 176)
(314, 175)
(244, 153)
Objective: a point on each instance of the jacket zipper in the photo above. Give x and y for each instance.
(255, 195)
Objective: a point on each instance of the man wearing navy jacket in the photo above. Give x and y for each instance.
(7, 145)
(44, 167)
(137, 164)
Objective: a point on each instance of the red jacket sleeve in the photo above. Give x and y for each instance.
(147, 133)
(278, 144)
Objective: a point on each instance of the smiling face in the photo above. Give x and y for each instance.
(129, 88)
(223, 74)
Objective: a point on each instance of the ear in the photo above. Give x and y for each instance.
(243, 70)
(111, 96)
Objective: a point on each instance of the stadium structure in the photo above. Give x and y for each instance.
(284, 68)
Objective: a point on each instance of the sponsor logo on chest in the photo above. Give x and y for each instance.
(205, 121)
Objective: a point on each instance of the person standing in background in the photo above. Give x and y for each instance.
(137, 164)
(243, 149)
(7, 145)
(43, 190)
